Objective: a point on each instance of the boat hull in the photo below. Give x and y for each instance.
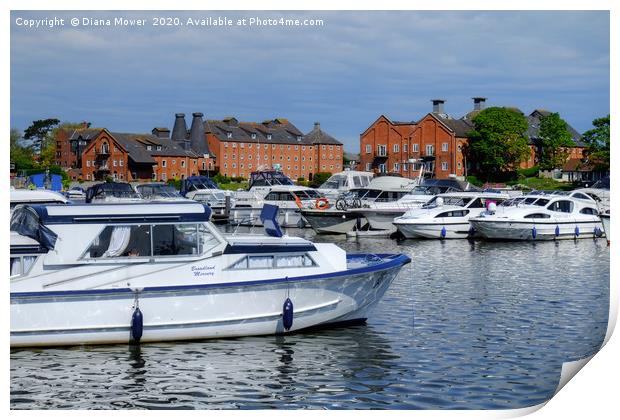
(605, 219)
(332, 221)
(380, 219)
(524, 231)
(201, 311)
(434, 230)
(250, 216)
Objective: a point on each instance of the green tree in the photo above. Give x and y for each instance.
(319, 178)
(498, 142)
(555, 139)
(21, 156)
(39, 132)
(597, 142)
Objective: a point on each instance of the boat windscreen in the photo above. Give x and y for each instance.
(334, 182)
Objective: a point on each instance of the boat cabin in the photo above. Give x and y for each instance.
(111, 191)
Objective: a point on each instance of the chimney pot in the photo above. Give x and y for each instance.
(179, 130)
(479, 103)
(438, 105)
(317, 125)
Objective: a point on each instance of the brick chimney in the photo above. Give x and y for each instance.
(438, 105)
(479, 103)
(179, 131)
(317, 125)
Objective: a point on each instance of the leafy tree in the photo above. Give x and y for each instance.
(498, 142)
(21, 156)
(319, 178)
(555, 139)
(39, 132)
(598, 143)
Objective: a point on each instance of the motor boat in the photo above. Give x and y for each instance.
(76, 193)
(606, 225)
(37, 196)
(342, 216)
(541, 216)
(599, 191)
(204, 190)
(446, 216)
(112, 192)
(146, 272)
(289, 198)
(344, 181)
(381, 214)
(159, 192)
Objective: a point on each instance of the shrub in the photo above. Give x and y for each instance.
(319, 178)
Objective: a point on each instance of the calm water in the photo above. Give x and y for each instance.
(466, 325)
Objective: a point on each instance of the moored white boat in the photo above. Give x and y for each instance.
(447, 215)
(605, 219)
(541, 217)
(112, 273)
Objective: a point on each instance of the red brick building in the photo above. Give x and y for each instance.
(243, 147)
(437, 141)
(138, 157)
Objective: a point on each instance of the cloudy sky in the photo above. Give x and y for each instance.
(345, 73)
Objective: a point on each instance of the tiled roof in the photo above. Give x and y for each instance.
(280, 130)
(576, 165)
(135, 145)
(85, 133)
(460, 127)
(318, 136)
(533, 127)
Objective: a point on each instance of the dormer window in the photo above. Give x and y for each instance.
(149, 147)
(105, 149)
(268, 136)
(253, 136)
(298, 138)
(229, 135)
(158, 147)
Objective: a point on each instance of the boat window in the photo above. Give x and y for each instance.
(357, 181)
(312, 194)
(149, 240)
(581, 196)
(537, 216)
(260, 261)
(588, 210)
(541, 202)
(563, 206)
(294, 261)
(174, 240)
(272, 196)
(22, 265)
(529, 200)
(16, 266)
(476, 204)
(454, 213)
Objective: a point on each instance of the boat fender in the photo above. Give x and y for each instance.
(443, 232)
(287, 314)
(557, 230)
(137, 325)
(576, 230)
(534, 232)
(472, 231)
(598, 232)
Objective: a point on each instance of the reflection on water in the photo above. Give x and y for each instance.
(466, 325)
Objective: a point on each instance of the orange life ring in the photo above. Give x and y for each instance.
(321, 204)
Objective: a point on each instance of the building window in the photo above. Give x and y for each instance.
(382, 168)
(234, 145)
(268, 136)
(234, 165)
(458, 165)
(174, 161)
(226, 166)
(158, 147)
(296, 158)
(163, 176)
(242, 145)
(396, 167)
(204, 165)
(88, 163)
(163, 163)
(368, 148)
(430, 150)
(115, 163)
(183, 163)
(149, 147)
(88, 176)
(153, 177)
(444, 147)
(323, 147)
(226, 145)
(444, 166)
(404, 167)
(396, 148)
(416, 147)
(382, 150)
(405, 147)
(105, 149)
(229, 135)
(120, 162)
(253, 136)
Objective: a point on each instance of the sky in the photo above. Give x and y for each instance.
(344, 73)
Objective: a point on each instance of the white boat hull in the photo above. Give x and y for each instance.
(539, 231)
(204, 311)
(605, 219)
(435, 231)
(382, 219)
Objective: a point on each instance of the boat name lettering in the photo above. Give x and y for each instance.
(205, 270)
